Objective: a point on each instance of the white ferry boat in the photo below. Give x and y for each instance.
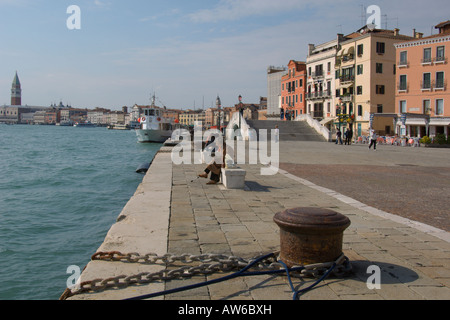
(154, 127)
(86, 124)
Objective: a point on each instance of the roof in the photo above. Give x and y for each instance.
(442, 24)
(16, 81)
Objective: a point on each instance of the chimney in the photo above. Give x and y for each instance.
(396, 31)
(414, 33)
(310, 49)
(419, 35)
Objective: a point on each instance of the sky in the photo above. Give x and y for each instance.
(186, 52)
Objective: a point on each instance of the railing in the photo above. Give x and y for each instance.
(346, 78)
(315, 125)
(403, 64)
(442, 59)
(403, 87)
(425, 85)
(440, 85)
(317, 74)
(427, 60)
(318, 95)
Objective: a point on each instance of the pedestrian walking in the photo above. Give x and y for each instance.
(338, 136)
(277, 134)
(373, 139)
(350, 136)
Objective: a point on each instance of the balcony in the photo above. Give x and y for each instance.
(442, 59)
(317, 74)
(346, 78)
(403, 64)
(403, 87)
(425, 85)
(318, 95)
(347, 98)
(440, 85)
(427, 61)
(317, 114)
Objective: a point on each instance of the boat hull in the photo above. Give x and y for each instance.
(150, 135)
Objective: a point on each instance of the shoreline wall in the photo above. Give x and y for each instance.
(141, 227)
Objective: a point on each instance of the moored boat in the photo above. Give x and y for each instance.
(154, 127)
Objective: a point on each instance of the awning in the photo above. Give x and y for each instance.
(346, 85)
(326, 121)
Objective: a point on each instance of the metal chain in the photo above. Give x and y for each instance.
(210, 263)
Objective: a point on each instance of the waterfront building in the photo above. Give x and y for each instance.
(16, 92)
(321, 81)
(422, 97)
(274, 75)
(293, 85)
(365, 80)
(189, 117)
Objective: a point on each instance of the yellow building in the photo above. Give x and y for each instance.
(189, 117)
(365, 80)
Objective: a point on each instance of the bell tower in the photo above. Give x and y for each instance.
(16, 92)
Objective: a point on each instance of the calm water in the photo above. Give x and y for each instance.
(61, 189)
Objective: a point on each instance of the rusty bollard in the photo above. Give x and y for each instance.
(310, 235)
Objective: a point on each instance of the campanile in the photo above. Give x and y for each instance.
(16, 92)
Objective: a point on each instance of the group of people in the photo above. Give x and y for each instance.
(348, 135)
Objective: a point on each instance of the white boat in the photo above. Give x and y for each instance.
(154, 127)
(84, 124)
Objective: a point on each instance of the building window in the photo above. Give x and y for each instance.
(439, 80)
(402, 106)
(379, 89)
(329, 67)
(403, 58)
(301, 83)
(380, 47)
(380, 108)
(359, 69)
(329, 107)
(360, 110)
(440, 54)
(360, 50)
(439, 107)
(426, 55)
(426, 106)
(359, 90)
(426, 82)
(403, 84)
(379, 68)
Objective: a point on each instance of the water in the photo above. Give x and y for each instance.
(61, 189)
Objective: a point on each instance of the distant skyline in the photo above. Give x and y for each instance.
(185, 51)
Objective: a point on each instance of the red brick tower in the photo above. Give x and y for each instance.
(16, 92)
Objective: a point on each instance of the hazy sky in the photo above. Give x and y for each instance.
(187, 51)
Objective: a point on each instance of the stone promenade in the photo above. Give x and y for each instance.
(174, 211)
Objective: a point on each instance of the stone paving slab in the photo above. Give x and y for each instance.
(414, 260)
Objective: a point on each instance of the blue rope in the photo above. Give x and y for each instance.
(297, 293)
(243, 273)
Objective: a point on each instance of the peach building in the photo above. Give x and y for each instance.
(422, 97)
(293, 86)
(365, 80)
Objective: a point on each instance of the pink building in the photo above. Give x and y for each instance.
(422, 96)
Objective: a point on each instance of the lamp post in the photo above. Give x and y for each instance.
(338, 111)
(218, 105)
(240, 111)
